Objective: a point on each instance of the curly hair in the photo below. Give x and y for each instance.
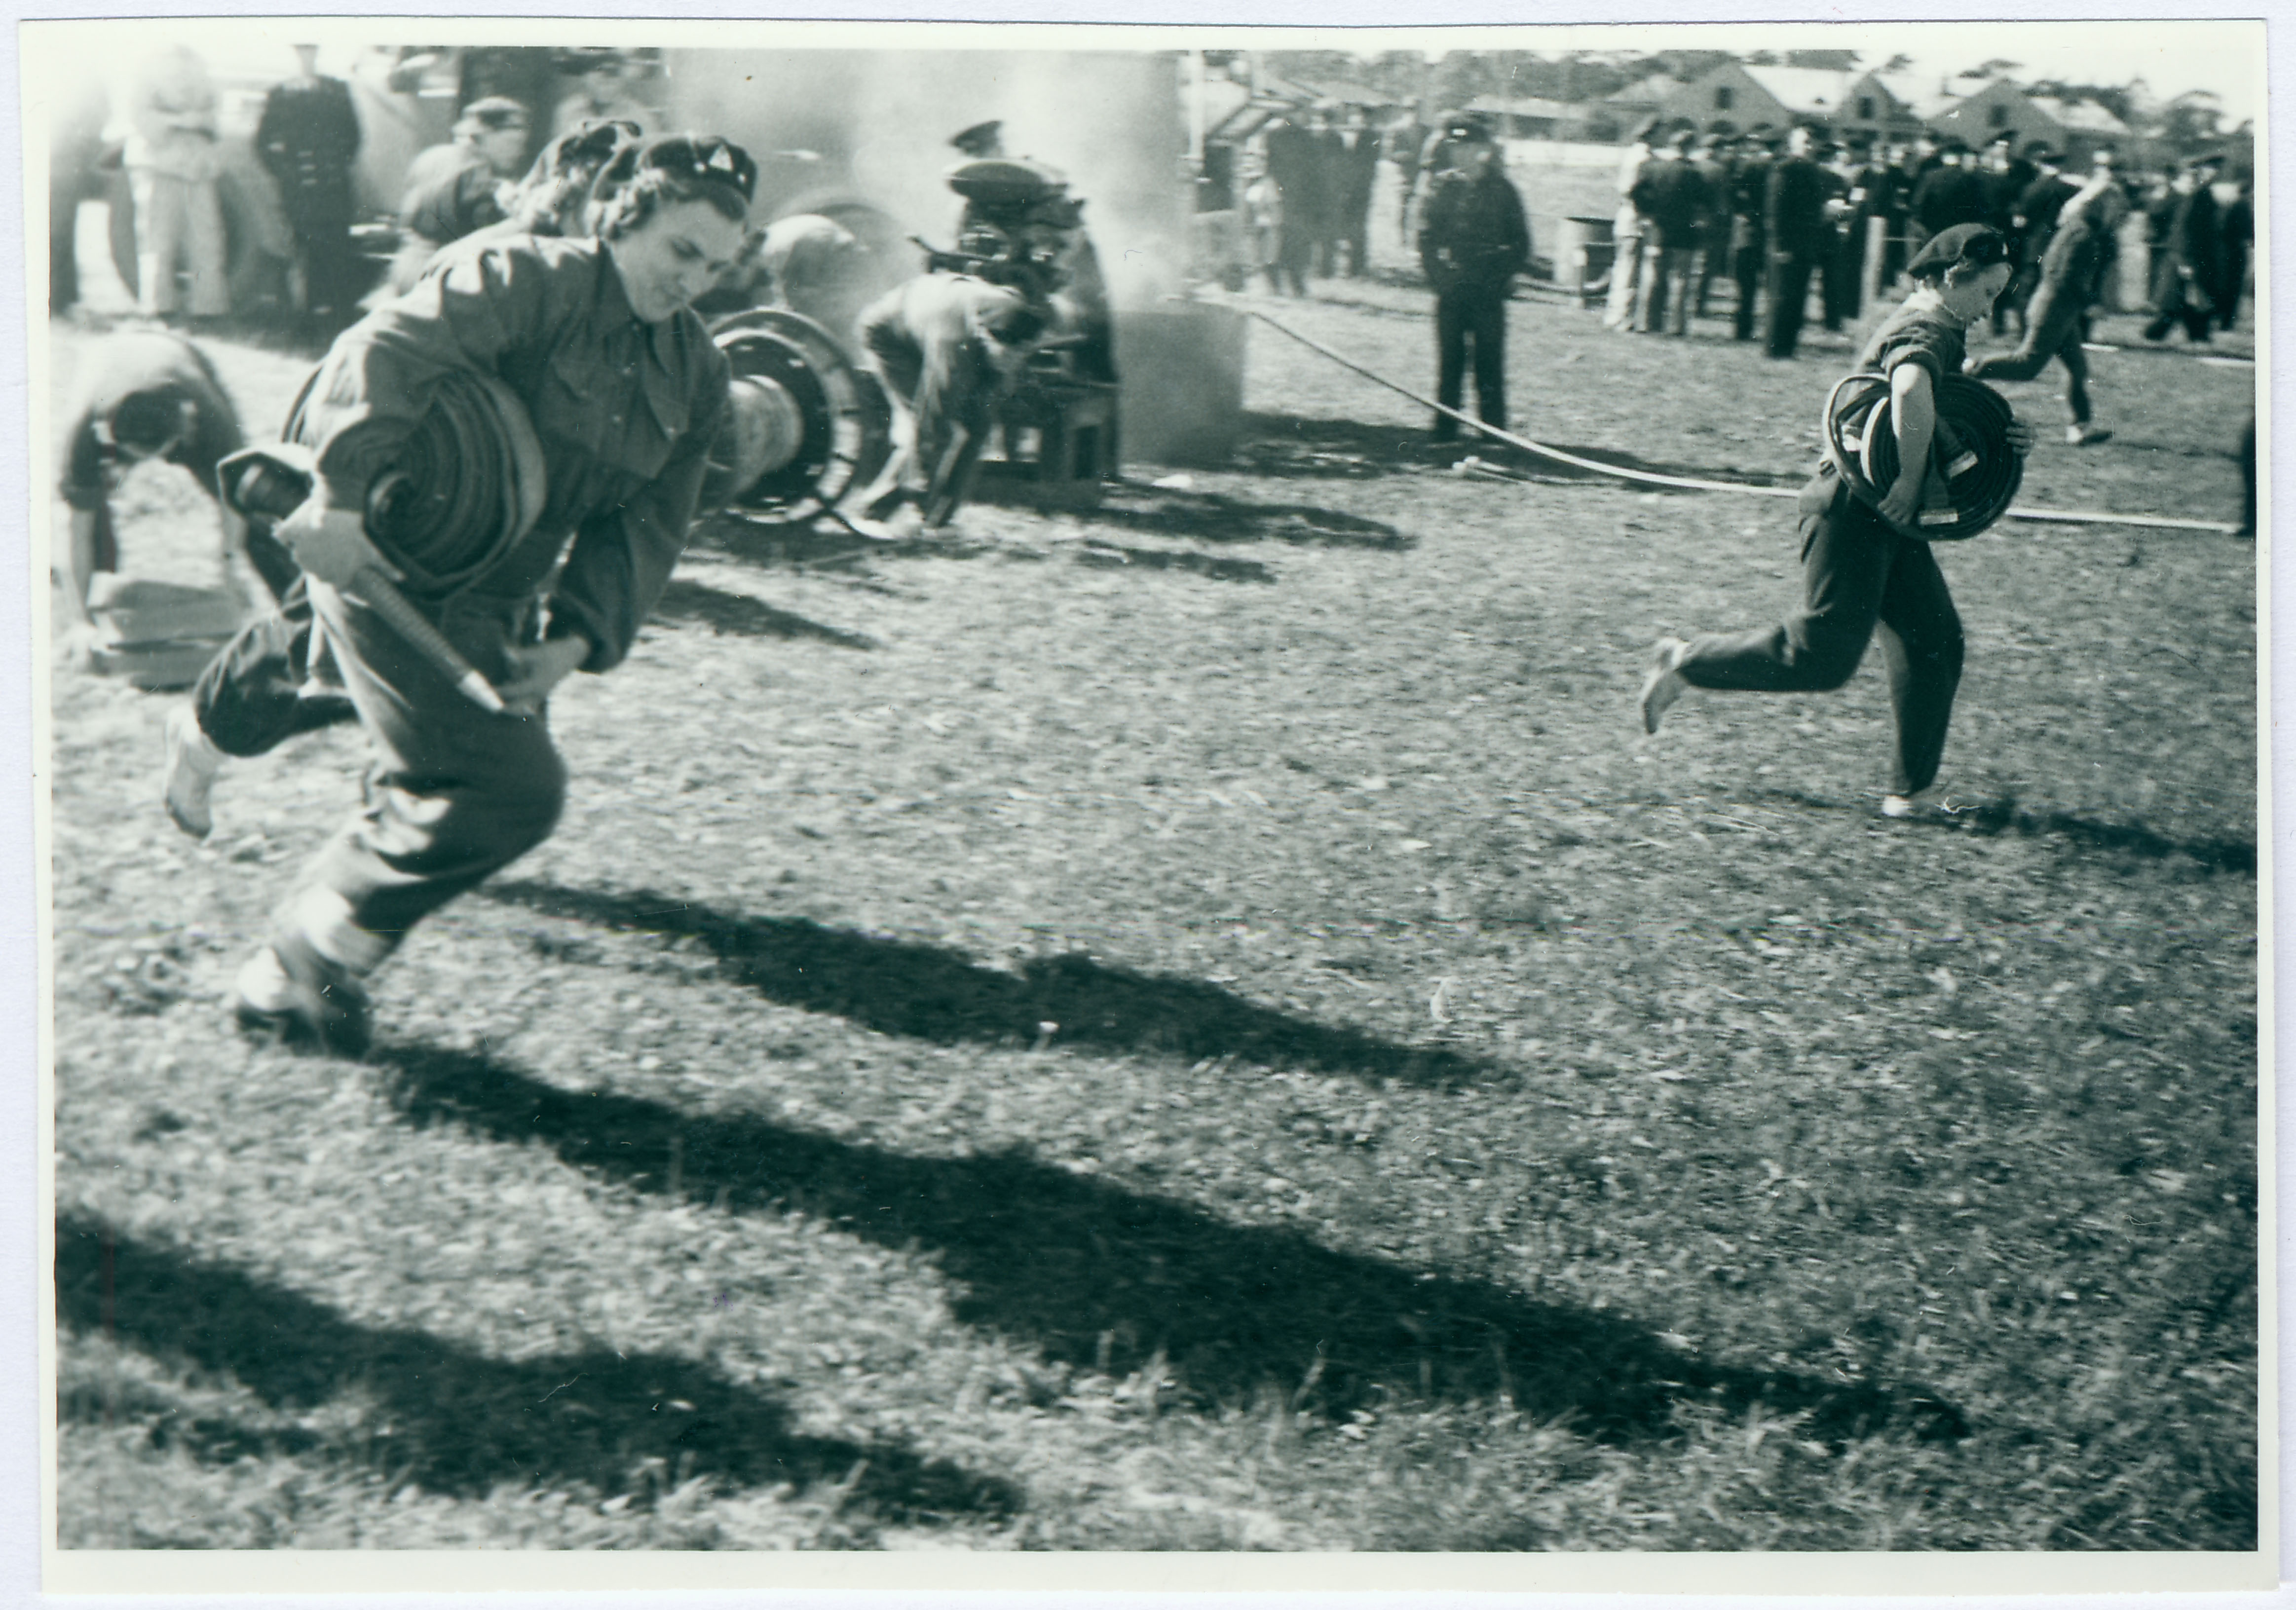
(556, 196)
(626, 193)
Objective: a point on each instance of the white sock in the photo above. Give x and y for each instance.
(263, 983)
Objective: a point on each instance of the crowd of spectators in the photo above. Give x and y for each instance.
(1779, 211)
(214, 217)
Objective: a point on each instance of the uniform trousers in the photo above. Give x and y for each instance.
(1476, 315)
(453, 794)
(1789, 301)
(1625, 279)
(2052, 329)
(1668, 282)
(1746, 268)
(1858, 574)
(178, 221)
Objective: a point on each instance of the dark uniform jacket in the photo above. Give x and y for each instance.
(1474, 235)
(1795, 215)
(308, 136)
(1300, 164)
(626, 412)
(2190, 243)
(143, 363)
(1749, 197)
(2044, 199)
(1948, 195)
(1671, 194)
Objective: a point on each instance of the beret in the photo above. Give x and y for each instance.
(1971, 245)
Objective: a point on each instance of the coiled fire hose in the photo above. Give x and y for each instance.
(1973, 474)
(468, 483)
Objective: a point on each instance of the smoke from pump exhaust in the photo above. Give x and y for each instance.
(874, 126)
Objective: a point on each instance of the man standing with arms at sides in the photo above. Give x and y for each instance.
(1749, 191)
(1799, 236)
(2187, 271)
(308, 138)
(1473, 241)
(1356, 163)
(1295, 161)
(1949, 195)
(1672, 197)
(2239, 237)
(1714, 165)
(1627, 233)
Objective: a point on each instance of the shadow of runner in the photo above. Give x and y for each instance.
(722, 612)
(456, 1422)
(1096, 1275)
(1992, 819)
(1216, 517)
(926, 992)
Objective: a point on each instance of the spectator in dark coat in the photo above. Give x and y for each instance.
(2239, 237)
(1296, 161)
(2188, 266)
(1671, 195)
(1355, 162)
(1750, 191)
(1798, 234)
(1713, 159)
(1474, 239)
(1948, 194)
(308, 138)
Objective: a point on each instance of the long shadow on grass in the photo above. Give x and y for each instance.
(1216, 517)
(724, 612)
(454, 1421)
(927, 992)
(1115, 556)
(1094, 1275)
(1289, 446)
(1993, 819)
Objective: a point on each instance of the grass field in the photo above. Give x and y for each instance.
(1207, 1026)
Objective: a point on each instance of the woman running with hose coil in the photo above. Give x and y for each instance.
(1867, 566)
(625, 391)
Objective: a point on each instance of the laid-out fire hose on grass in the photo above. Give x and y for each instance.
(1690, 483)
(468, 483)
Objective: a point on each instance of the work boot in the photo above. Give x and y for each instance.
(1664, 683)
(192, 762)
(288, 995)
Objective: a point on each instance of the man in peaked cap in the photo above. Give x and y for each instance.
(981, 140)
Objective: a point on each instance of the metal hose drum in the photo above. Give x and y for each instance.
(1974, 471)
(804, 423)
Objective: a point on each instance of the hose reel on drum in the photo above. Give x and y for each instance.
(806, 425)
(1973, 471)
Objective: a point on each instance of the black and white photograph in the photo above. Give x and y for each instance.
(1172, 791)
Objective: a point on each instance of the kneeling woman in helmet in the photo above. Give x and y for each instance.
(1864, 566)
(625, 391)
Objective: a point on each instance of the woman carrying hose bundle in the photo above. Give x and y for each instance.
(1864, 566)
(625, 391)
(257, 691)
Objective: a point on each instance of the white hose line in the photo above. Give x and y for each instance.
(1694, 484)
